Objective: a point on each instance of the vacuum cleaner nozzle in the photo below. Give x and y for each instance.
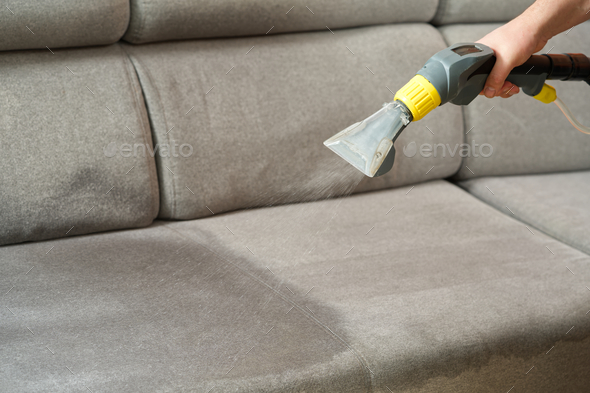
(368, 145)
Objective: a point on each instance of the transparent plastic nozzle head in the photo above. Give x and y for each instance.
(368, 145)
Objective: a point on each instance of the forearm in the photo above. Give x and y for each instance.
(547, 18)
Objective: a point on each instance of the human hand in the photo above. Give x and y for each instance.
(513, 43)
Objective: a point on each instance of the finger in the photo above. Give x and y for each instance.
(508, 90)
(496, 78)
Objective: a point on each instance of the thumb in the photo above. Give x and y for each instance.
(497, 77)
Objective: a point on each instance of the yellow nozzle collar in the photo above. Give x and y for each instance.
(547, 94)
(419, 95)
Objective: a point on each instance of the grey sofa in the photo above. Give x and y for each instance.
(171, 222)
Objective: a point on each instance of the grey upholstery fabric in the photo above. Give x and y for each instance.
(527, 136)
(557, 204)
(278, 300)
(153, 21)
(256, 111)
(33, 24)
(62, 115)
(472, 11)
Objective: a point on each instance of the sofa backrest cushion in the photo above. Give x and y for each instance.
(526, 136)
(472, 11)
(64, 120)
(248, 116)
(34, 24)
(153, 21)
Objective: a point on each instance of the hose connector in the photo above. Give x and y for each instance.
(547, 94)
(419, 95)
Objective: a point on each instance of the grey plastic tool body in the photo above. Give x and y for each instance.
(459, 73)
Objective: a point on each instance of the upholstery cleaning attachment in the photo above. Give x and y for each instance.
(456, 74)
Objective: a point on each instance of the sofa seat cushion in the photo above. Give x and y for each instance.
(557, 203)
(252, 114)
(69, 123)
(419, 288)
(526, 136)
(179, 19)
(34, 24)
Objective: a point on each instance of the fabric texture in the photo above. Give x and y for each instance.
(255, 111)
(153, 21)
(526, 135)
(402, 290)
(557, 203)
(65, 120)
(473, 11)
(34, 24)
